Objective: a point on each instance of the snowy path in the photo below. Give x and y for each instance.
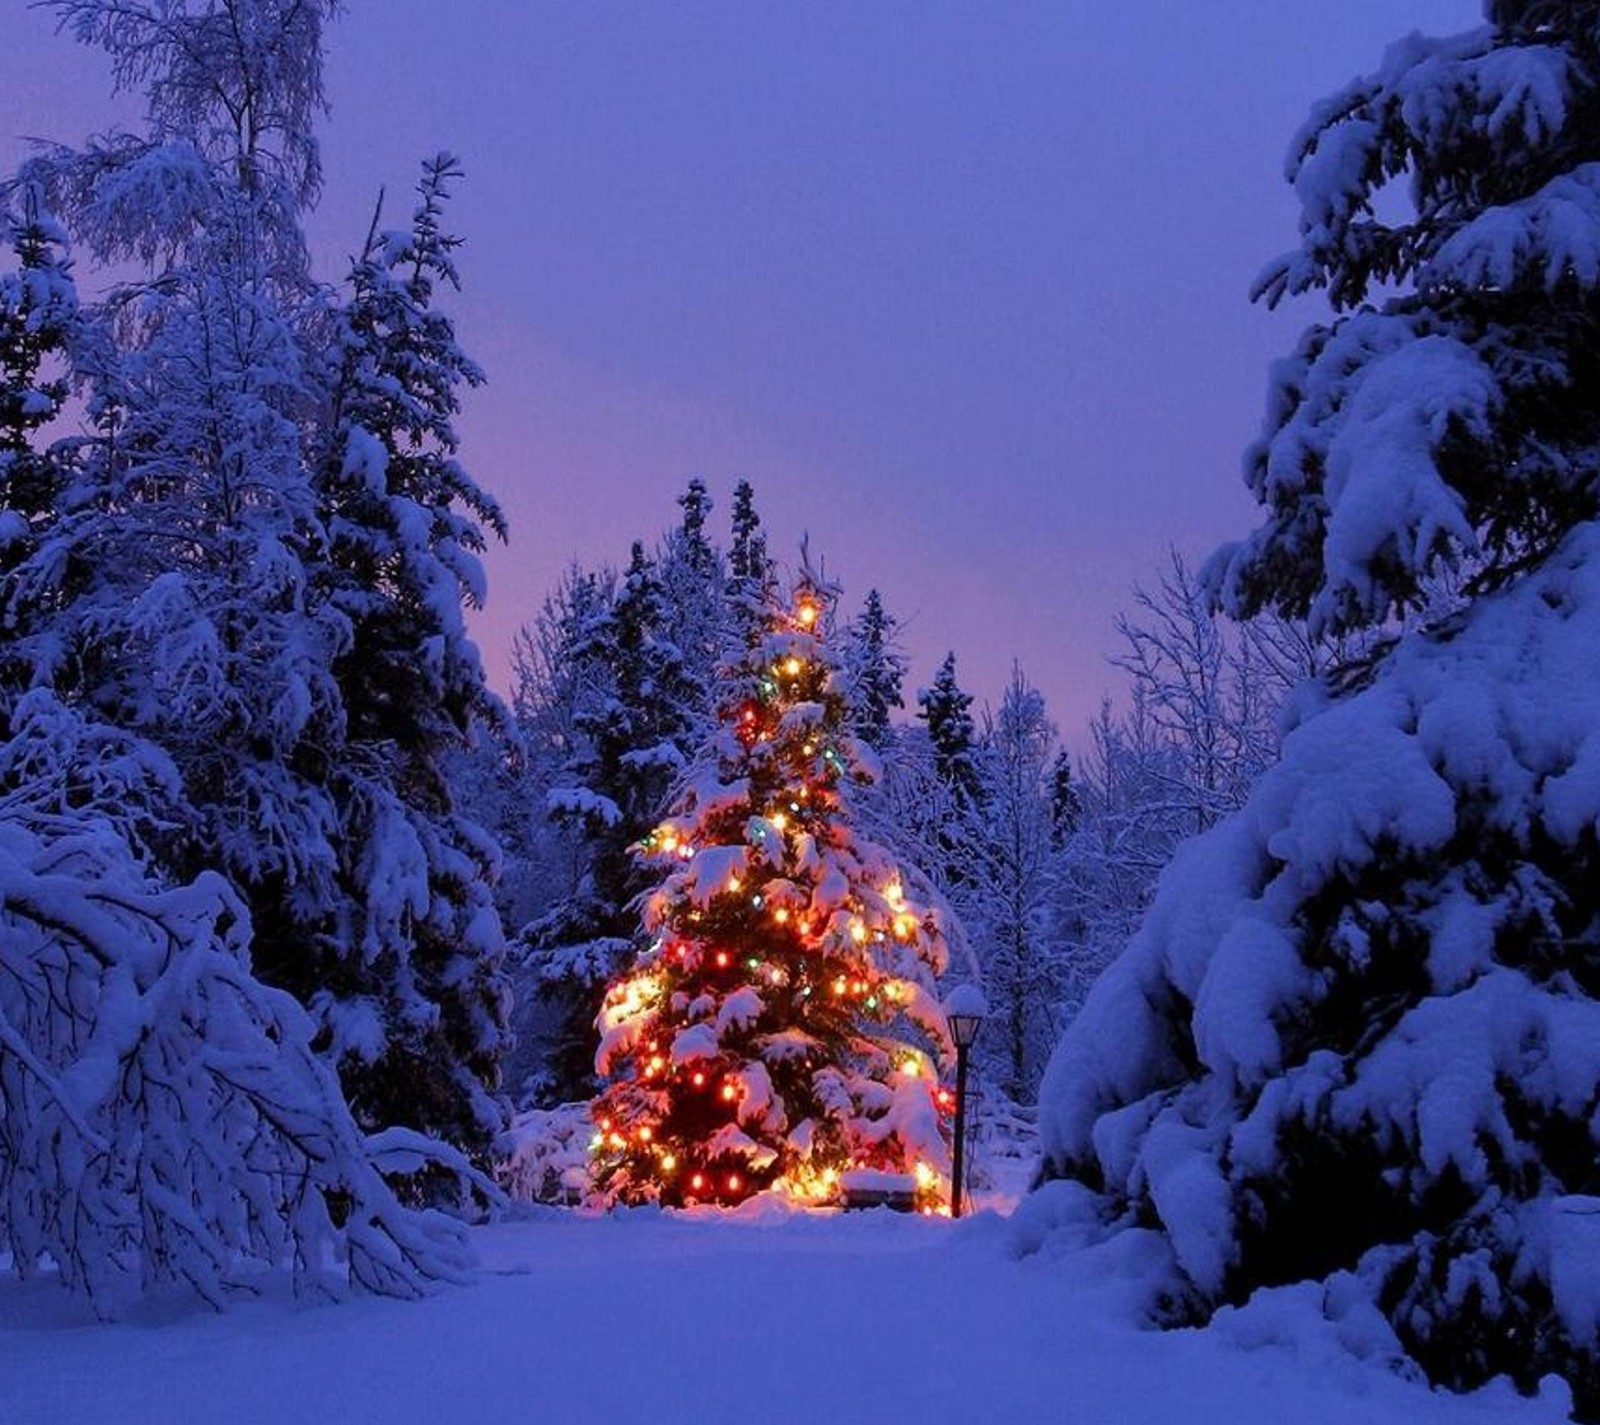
(677, 1321)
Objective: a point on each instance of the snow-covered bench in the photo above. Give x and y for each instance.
(866, 1187)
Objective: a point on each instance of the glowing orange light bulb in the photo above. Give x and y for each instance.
(699, 1081)
(729, 1092)
(734, 1182)
(792, 667)
(697, 1182)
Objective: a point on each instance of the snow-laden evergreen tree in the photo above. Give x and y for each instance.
(1066, 806)
(946, 709)
(405, 969)
(875, 669)
(952, 814)
(42, 333)
(258, 562)
(190, 517)
(1357, 1036)
(163, 1117)
(694, 588)
(546, 860)
(636, 734)
(775, 1034)
(751, 576)
(747, 556)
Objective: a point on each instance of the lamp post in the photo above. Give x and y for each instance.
(964, 1011)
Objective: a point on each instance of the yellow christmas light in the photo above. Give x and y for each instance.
(792, 667)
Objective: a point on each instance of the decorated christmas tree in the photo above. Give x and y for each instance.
(777, 1033)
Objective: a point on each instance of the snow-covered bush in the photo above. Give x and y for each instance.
(162, 1114)
(545, 1155)
(1359, 1029)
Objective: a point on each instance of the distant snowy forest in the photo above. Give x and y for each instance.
(310, 936)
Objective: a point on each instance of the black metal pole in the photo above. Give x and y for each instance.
(961, 1129)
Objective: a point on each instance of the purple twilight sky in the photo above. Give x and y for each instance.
(960, 288)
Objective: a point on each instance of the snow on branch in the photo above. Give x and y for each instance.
(162, 1115)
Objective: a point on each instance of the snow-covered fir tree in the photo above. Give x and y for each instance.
(946, 710)
(164, 1116)
(405, 970)
(42, 333)
(226, 579)
(952, 814)
(776, 1032)
(634, 737)
(749, 565)
(1066, 806)
(1356, 1035)
(190, 517)
(751, 575)
(875, 669)
(694, 587)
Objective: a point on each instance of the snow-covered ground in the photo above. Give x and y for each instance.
(683, 1319)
